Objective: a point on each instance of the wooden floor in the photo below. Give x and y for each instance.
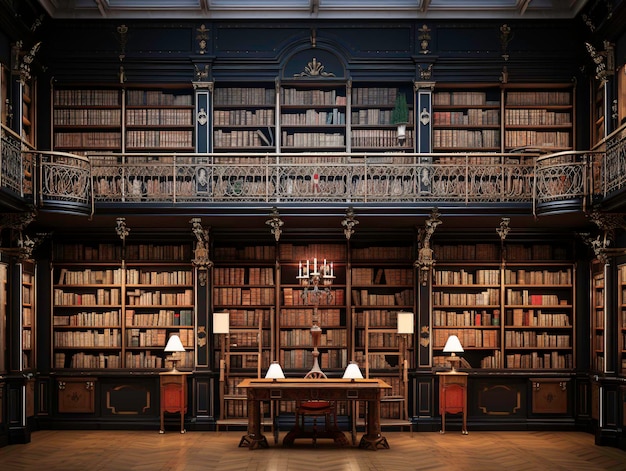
(208, 451)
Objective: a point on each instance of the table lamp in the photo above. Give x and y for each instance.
(174, 345)
(275, 371)
(453, 346)
(352, 371)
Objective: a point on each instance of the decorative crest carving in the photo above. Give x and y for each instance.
(504, 228)
(314, 69)
(202, 36)
(424, 39)
(121, 229)
(201, 258)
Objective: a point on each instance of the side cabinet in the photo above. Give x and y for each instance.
(549, 395)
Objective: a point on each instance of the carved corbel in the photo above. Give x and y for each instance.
(349, 222)
(201, 258)
(425, 260)
(275, 223)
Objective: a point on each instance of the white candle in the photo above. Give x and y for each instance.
(300, 269)
(315, 265)
(331, 269)
(307, 267)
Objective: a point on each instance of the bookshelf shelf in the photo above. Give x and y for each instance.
(27, 306)
(118, 315)
(621, 326)
(519, 316)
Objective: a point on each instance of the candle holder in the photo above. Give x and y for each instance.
(316, 285)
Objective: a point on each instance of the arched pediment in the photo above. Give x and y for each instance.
(313, 64)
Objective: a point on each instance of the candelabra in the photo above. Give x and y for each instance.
(316, 285)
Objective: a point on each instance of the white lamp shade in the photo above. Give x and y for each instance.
(405, 322)
(453, 345)
(221, 322)
(275, 371)
(352, 371)
(174, 344)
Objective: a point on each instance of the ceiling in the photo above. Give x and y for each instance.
(318, 9)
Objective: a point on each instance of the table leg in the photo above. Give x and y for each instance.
(373, 438)
(254, 438)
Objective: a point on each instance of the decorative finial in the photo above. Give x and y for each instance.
(425, 260)
(121, 229)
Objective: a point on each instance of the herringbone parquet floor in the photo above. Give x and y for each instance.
(208, 451)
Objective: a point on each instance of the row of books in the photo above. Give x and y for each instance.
(488, 297)
(535, 360)
(463, 276)
(259, 252)
(384, 96)
(382, 253)
(482, 252)
(313, 139)
(377, 339)
(82, 360)
(541, 98)
(536, 318)
(159, 117)
(364, 297)
(162, 277)
(521, 276)
(91, 139)
(470, 338)
(159, 138)
(466, 318)
(257, 117)
(471, 117)
(373, 117)
(379, 138)
(526, 297)
(90, 276)
(140, 297)
(377, 318)
(313, 118)
(557, 139)
(87, 117)
(294, 96)
(104, 338)
(227, 96)
(471, 98)
(162, 318)
(81, 97)
(88, 319)
(157, 98)
(240, 138)
(250, 318)
(101, 297)
(382, 276)
(514, 339)
(138, 337)
(240, 276)
(466, 138)
(537, 117)
(244, 296)
(302, 338)
(78, 252)
(304, 317)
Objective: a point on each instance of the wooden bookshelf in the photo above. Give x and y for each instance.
(244, 118)
(295, 315)
(539, 117)
(28, 110)
(159, 119)
(90, 119)
(466, 117)
(598, 111)
(87, 119)
(115, 313)
(313, 115)
(597, 319)
(371, 127)
(621, 326)
(29, 332)
(5, 87)
(516, 313)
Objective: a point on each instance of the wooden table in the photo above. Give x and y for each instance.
(453, 397)
(369, 390)
(173, 396)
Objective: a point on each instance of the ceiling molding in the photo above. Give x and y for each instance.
(322, 9)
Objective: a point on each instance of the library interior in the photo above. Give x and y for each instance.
(313, 219)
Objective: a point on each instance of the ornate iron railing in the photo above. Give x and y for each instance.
(16, 164)
(313, 177)
(462, 178)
